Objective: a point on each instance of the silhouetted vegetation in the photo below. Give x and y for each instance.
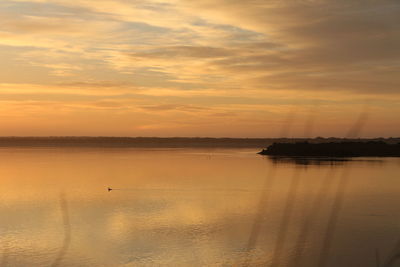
(334, 149)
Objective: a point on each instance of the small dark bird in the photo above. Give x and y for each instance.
(109, 189)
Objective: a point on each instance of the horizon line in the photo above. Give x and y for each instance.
(187, 137)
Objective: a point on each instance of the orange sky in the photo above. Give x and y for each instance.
(198, 68)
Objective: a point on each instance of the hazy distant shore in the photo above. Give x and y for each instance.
(174, 142)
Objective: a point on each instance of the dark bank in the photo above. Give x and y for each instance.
(334, 149)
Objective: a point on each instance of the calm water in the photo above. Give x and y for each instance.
(194, 207)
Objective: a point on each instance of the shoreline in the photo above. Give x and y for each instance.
(171, 142)
(333, 149)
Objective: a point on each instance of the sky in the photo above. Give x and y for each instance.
(216, 68)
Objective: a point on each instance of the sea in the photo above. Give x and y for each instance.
(196, 207)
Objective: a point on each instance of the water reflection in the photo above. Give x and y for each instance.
(188, 207)
(322, 160)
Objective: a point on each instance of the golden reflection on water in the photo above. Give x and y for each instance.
(184, 207)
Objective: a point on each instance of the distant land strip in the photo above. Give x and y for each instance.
(172, 142)
(334, 149)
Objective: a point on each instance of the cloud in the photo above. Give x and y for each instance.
(200, 62)
(185, 52)
(321, 42)
(174, 107)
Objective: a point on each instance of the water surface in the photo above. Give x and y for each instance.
(194, 207)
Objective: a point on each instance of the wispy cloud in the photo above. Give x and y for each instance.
(186, 61)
